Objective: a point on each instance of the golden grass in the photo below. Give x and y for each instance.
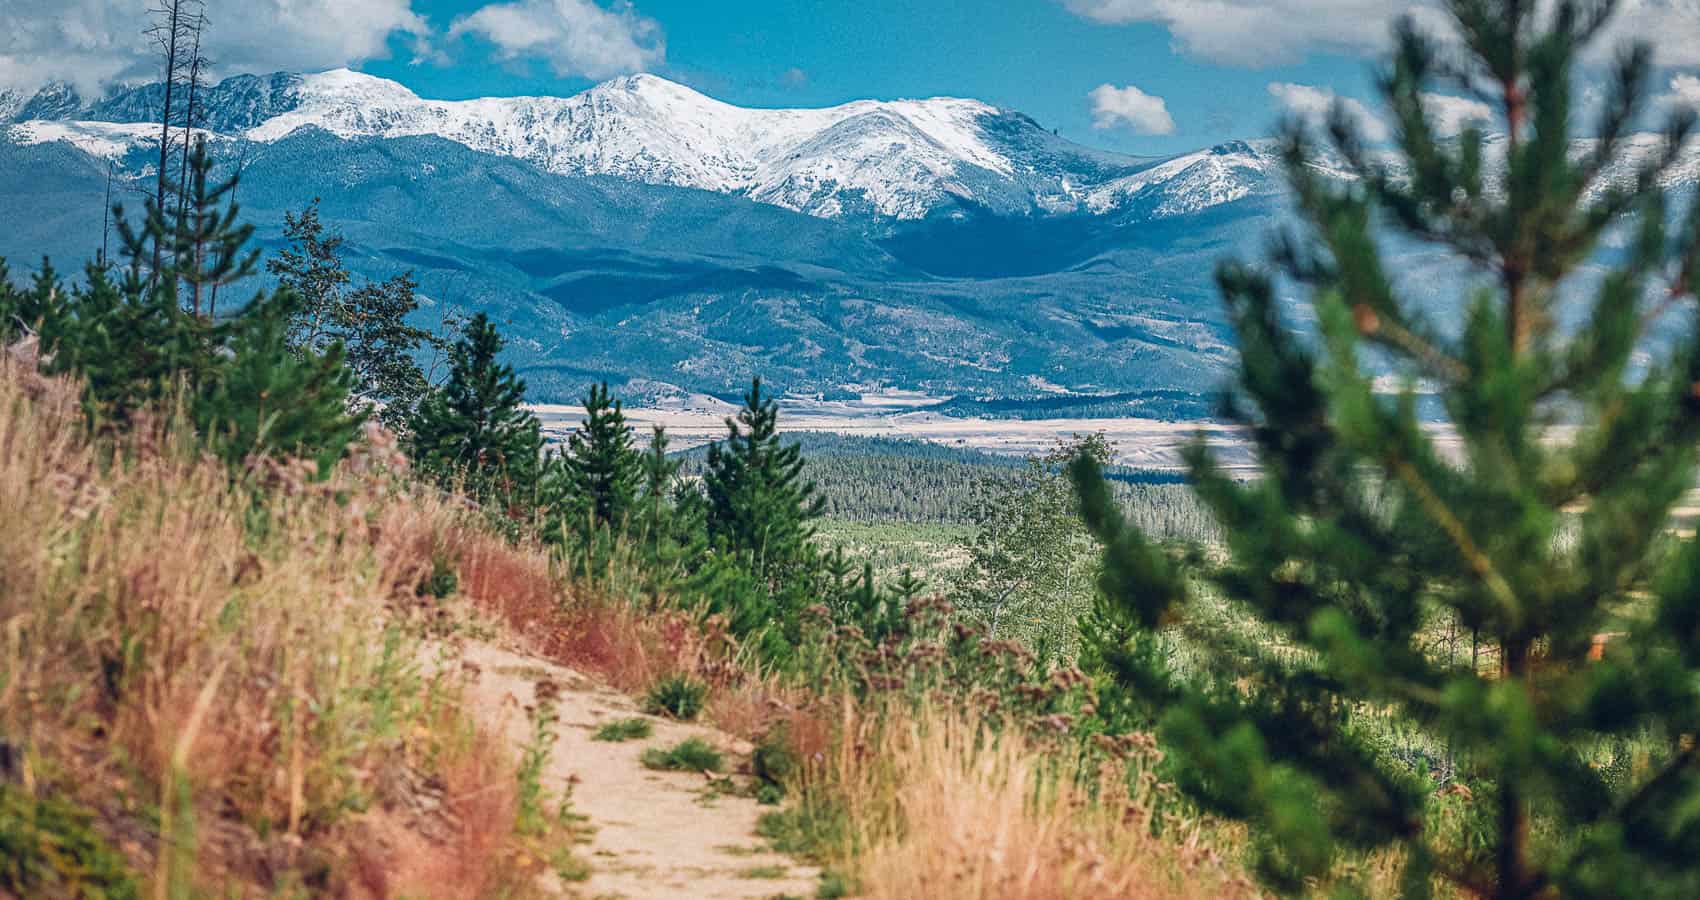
(939, 806)
(247, 671)
(239, 689)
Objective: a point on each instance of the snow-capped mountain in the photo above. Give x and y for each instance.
(901, 159)
(642, 231)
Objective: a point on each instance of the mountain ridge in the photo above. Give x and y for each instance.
(642, 233)
(895, 160)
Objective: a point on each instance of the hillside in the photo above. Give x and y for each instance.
(643, 232)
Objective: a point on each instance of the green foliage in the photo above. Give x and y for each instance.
(443, 580)
(757, 514)
(475, 430)
(759, 506)
(689, 755)
(126, 333)
(269, 400)
(594, 485)
(33, 309)
(530, 819)
(775, 763)
(1031, 566)
(370, 321)
(1362, 537)
(814, 828)
(209, 246)
(676, 696)
(624, 730)
(49, 848)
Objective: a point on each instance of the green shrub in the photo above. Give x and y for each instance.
(690, 755)
(49, 848)
(678, 696)
(774, 763)
(624, 730)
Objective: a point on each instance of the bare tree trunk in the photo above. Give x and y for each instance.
(106, 217)
(165, 30)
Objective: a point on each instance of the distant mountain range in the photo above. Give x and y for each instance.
(645, 233)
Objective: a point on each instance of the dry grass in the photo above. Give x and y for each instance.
(246, 671)
(239, 689)
(941, 807)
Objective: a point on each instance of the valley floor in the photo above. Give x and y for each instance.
(1147, 444)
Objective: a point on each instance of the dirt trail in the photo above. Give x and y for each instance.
(657, 834)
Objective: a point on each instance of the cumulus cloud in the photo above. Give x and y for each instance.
(575, 37)
(1313, 103)
(1684, 91)
(1256, 32)
(1268, 32)
(1130, 106)
(92, 43)
(1670, 26)
(1449, 115)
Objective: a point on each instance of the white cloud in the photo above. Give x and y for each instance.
(1257, 32)
(91, 43)
(1684, 91)
(576, 37)
(1672, 27)
(1130, 106)
(1313, 103)
(1267, 32)
(1449, 115)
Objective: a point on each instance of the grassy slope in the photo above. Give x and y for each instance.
(223, 678)
(215, 684)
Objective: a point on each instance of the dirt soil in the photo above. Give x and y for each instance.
(656, 834)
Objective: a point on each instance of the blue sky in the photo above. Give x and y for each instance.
(1029, 55)
(1141, 76)
(1032, 55)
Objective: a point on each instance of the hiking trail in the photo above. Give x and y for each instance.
(653, 834)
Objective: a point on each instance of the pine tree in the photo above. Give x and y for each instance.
(1546, 529)
(601, 471)
(476, 428)
(369, 320)
(129, 339)
(759, 505)
(270, 400)
(208, 245)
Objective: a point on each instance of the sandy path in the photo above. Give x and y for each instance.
(657, 834)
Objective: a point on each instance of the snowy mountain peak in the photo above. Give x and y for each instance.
(897, 159)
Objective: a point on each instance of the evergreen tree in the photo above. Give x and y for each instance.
(475, 428)
(270, 400)
(1362, 535)
(660, 474)
(759, 505)
(209, 245)
(130, 340)
(601, 471)
(369, 320)
(39, 308)
(668, 519)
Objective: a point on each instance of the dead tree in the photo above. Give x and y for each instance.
(175, 28)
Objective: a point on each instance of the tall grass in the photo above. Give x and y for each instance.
(935, 802)
(231, 659)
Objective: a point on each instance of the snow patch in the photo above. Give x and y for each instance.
(106, 140)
